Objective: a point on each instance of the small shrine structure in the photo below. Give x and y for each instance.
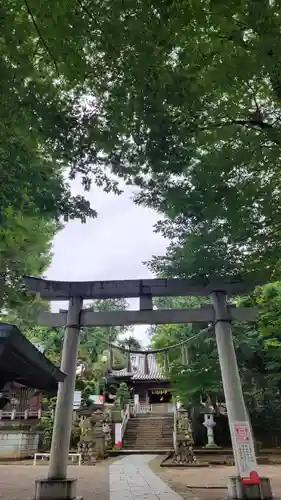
(147, 382)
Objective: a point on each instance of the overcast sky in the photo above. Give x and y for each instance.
(112, 246)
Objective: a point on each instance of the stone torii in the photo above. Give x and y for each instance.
(247, 483)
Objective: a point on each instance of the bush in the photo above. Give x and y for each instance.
(123, 395)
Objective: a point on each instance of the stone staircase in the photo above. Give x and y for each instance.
(151, 432)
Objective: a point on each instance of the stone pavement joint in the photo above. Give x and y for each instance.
(132, 479)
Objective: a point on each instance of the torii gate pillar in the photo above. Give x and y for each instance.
(57, 486)
(248, 484)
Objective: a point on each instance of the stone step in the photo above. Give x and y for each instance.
(150, 431)
(152, 417)
(149, 424)
(150, 427)
(144, 439)
(147, 446)
(149, 434)
(160, 440)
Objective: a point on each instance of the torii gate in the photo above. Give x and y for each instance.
(220, 314)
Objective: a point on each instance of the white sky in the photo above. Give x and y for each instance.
(112, 246)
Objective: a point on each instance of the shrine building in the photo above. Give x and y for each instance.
(149, 387)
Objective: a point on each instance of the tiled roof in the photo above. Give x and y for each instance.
(138, 368)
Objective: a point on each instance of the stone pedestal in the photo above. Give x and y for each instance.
(56, 489)
(239, 491)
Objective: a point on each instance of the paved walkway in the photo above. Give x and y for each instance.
(131, 479)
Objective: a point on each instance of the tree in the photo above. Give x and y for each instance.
(25, 248)
(123, 395)
(44, 136)
(182, 99)
(33, 119)
(130, 343)
(259, 365)
(267, 299)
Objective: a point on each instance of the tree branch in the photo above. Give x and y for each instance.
(86, 10)
(257, 124)
(41, 38)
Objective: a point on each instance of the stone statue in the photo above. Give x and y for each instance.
(92, 438)
(107, 428)
(184, 440)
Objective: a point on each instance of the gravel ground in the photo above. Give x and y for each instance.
(17, 481)
(209, 483)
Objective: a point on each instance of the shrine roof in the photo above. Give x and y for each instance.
(22, 362)
(138, 369)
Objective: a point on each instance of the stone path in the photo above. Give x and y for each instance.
(132, 479)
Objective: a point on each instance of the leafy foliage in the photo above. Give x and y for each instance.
(130, 343)
(257, 350)
(25, 248)
(181, 98)
(40, 115)
(123, 395)
(45, 427)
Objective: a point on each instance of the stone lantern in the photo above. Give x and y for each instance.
(209, 423)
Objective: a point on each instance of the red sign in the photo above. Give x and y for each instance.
(245, 453)
(242, 434)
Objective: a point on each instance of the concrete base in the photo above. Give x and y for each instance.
(239, 491)
(212, 446)
(56, 489)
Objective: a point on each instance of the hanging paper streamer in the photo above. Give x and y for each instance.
(146, 369)
(110, 357)
(166, 362)
(184, 354)
(129, 368)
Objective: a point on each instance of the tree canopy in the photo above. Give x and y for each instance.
(25, 248)
(181, 98)
(34, 123)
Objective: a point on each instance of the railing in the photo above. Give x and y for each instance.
(126, 417)
(20, 415)
(161, 408)
(144, 408)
